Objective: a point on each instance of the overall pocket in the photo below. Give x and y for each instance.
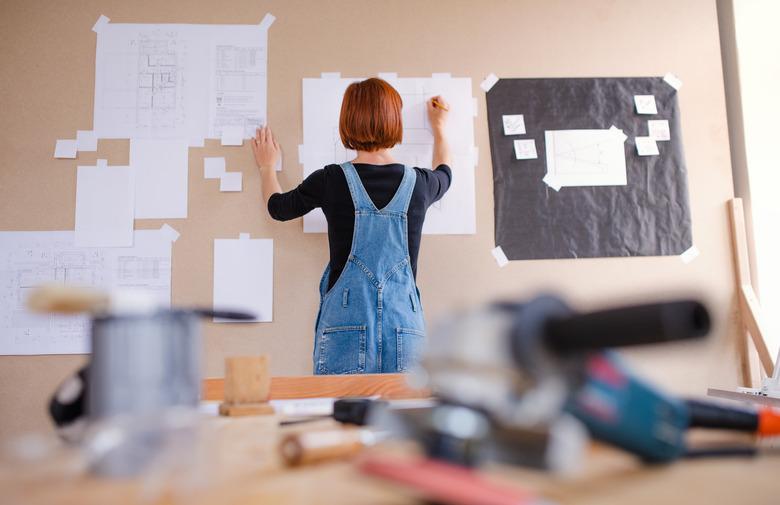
(410, 345)
(342, 350)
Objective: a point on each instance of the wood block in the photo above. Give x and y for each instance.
(245, 409)
(247, 379)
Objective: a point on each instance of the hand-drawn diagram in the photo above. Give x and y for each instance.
(29, 259)
(585, 157)
(455, 213)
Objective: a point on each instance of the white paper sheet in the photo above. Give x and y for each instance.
(179, 81)
(232, 135)
(86, 140)
(525, 149)
(514, 124)
(585, 158)
(213, 168)
(29, 259)
(456, 212)
(243, 277)
(230, 181)
(104, 206)
(161, 172)
(65, 148)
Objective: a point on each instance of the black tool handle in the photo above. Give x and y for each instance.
(225, 314)
(626, 326)
(704, 414)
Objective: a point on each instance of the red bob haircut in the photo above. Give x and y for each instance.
(371, 116)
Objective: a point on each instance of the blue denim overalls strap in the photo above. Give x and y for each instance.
(371, 320)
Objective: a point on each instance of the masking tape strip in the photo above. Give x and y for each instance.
(243, 236)
(673, 81)
(550, 181)
(100, 23)
(267, 21)
(330, 75)
(170, 232)
(489, 82)
(500, 257)
(441, 75)
(387, 76)
(689, 255)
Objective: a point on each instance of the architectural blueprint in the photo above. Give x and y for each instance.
(455, 213)
(585, 157)
(29, 259)
(179, 81)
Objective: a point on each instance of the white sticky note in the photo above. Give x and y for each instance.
(658, 129)
(213, 168)
(645, 104)
(550, 180)
(105, 202)
(689, 255)
(489, 82)
(232, 135)
(66, 148)
(161, 169)
(673, 81)
(230, 181)
(618, 133)
(500, 257)
(86, 140)
(514, 124)
(100, 162)
(525, 149)
(646, 146)
(243, 277)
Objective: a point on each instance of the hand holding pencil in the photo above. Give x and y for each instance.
(438, 109)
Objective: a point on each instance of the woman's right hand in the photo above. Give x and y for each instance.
(438, 109)
(265, 148)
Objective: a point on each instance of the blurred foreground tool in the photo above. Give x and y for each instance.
(305, 448)
(247, 387)
(444, 483)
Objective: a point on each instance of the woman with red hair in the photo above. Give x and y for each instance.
(370, 318)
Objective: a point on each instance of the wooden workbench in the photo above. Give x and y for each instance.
(235, 462)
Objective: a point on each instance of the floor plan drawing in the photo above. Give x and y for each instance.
(455, 213)
(585, 157)
(29, 259)
(179, 81)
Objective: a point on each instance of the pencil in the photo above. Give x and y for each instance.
(438, 104)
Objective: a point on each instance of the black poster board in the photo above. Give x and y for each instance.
(649, 216)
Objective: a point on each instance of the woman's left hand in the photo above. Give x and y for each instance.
(266, 148)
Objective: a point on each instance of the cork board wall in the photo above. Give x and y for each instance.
(47, 79)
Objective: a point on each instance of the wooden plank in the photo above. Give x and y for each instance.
(390, 386)
(751, 314)
(744, 397)
(739, 241)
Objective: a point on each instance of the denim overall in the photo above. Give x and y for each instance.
(371, 320)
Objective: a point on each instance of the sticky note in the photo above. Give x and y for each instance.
(658, 129)
(514, 124)
(65, 148)
(500, 257)
(230, 181)
(232, 135)
(86, 140)
(525, 149)
(213, 168)
(646, 146)
(645, 104)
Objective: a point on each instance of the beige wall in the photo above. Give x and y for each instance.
(47, 75)
(751, 66)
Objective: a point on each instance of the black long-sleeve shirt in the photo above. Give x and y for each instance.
(327, 188)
